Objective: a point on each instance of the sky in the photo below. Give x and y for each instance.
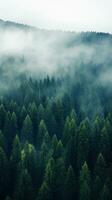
(72, 15)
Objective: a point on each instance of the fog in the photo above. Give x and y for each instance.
(80, 59)
(39, 53)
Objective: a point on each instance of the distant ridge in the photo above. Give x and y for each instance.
(11, 24)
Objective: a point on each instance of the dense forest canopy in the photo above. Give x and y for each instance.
(55, 114)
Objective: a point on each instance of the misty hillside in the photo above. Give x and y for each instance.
(55, 114)
(80, 60)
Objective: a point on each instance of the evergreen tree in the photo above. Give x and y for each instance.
(50, 120)
(59, 150)
(66, 132)
(41, 113)
(97, 187)
(8, 133)
(50, 176)
(41, 132)
(60, 173)
(44, 192)
(4, 179)
(29, 161)
(70, 185)
(54, 146)
(58, 113)
(27, 129)
(14, 161)
(13, 126)
(85, 190)
(23, 186)
(105, 144)
(97, 127)
(100, 168)
(71, 146)
(83, 144)
(34, 118)
(105, 194)
(23, 114)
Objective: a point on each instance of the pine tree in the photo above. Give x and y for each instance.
(58, 113)
(34, 118)
(70, 185)
(41, 132)
(55, 177)
(41, 113)
(50, 120)
(44, 157)
(97, 127)
(71, 144)
(29, 161)
(14, 161)
(4, 180)
(100, 168)
(24, 187)
(83, 144)
(66, 132)
(60, 173)
(23, 114)
(27, 130)
(44, 192)
(50, 175)
(105, 194)
(13, 126)
(59, 150)
(85, 190)
(8, 133)
(54, 146)
(105, 144)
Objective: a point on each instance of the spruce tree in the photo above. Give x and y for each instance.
(27, 130)
(70, 185)
(84, 183)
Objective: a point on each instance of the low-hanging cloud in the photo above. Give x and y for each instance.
(39, 53)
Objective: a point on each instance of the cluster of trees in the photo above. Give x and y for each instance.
(50, 147)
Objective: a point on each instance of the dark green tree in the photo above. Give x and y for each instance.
(29, 162)
(27, 130)
(70, 185)
(85, 189)
(100, 168)
(14, 161)
(105, 194)
(4, 179)
(83, 144)
(42, 131)
(24, 187)
(34, 118)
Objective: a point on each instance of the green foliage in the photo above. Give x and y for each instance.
(83, 144)
(27, 129)
(51, 148)
(85, 190)
(24, 186)
(100, 168)
(70, 185)
(105, 194)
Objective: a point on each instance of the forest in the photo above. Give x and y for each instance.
(56, 129)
